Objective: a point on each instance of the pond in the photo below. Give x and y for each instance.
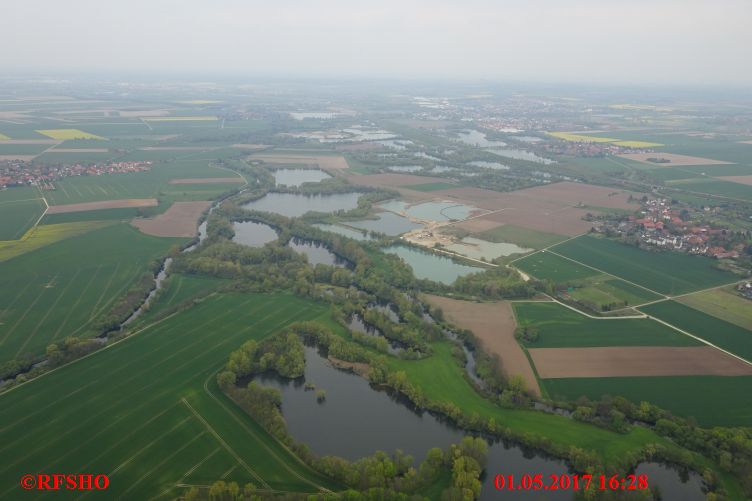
(295, 204)
(316, 252)
(405, 168)
(388, 223)
(343, 230)
(320, 115)
(296, 177)
(477, 138)
(488, 165)
(673, 482)
(355, 420)
(431, 266)
(253, 234)
(356, 324)
(483, 249)
(396, 144)
(440, 169)
(431, 211)
(520, 155)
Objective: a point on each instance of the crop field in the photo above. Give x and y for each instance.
(178, 289)
(103, 205)
(711, 400)
(663, 272)
(603, 291)
(61, 288)
(180, 220)
(154, 183)
(524, 237)
(198, 118)
(431, 186)
(674, 159)
(723, 303)
(598, 139)
(66, 134)
(549, 266)
(153, 416)
(560, 327)
(43, 235)
(718, 187)
(18, 216)
(723, 334)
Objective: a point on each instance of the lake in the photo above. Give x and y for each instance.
(343, 230)
(488, 165)
(478, 138)
(320, 115)
(431, 266)
(388, 223)
(405, 168)
(295, 204)
(431, 211)
(520, 155)
(316, 252)
(296, 177)
(483, 249)
(253, 234)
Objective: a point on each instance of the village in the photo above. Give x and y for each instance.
(21, 173)
(660, 225)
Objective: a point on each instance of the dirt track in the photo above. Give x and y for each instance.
(180, 220)
(105, 204)
(625, 361)
(493, 324)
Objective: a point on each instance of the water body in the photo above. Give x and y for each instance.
(356, 324)
(478, 138)
(440, 168)
(344, 231)
(405, 168)
(478, 249)
(296, 177)
(431, 266)
(673, 482)
(295, 205)
(320, 115)
(431, 211)
(316, 252)
(253, 234)
(388, 223)
(528, 139)
(488, 165)
(396, 144)
(521, 155)
(368, 134)
(423, 154)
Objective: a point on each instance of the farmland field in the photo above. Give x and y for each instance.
(65, 134)
(524, 237)
(548, 266)
(723, 303)
(431, 186)
(44, 235)
(560, 327)
(605, 291)
(726, 335)
(711, 400)
(62, 288)
(663, 272)
(18, 216)
(153, 414)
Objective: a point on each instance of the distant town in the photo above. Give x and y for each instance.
(22, 173)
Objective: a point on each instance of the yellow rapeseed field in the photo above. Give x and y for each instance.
(41, 236)
(3, 137)
(66, 134)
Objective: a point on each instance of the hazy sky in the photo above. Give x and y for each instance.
(617, 41)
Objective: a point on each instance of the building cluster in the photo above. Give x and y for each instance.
(745, 289)
(20, 173)
(659, 225)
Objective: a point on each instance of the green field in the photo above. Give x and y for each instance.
(179, 289)
(723, 334)
(153, 416)
(523, 237)
(604, 290)
(431, 186)
(560, 327)
(18, 216)
(441, 379)
(60, 289)
(664, 272)
(711, 400)
(718, 187)
(724, 303)
(548, 266)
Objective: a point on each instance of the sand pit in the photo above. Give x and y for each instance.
(323, 161)
(675, 159)
(636, 361)
(493, 324)
(180, 220)
(104, 204)
(738, 179)
(207, 180)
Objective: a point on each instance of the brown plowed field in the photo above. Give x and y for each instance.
(675, 159)
(105, 204)
(206, 180)
(493, 324)
(738, 179)
(636, 361)
(180, 220)
(396, 181)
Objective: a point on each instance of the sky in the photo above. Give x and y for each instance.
(693, 42)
